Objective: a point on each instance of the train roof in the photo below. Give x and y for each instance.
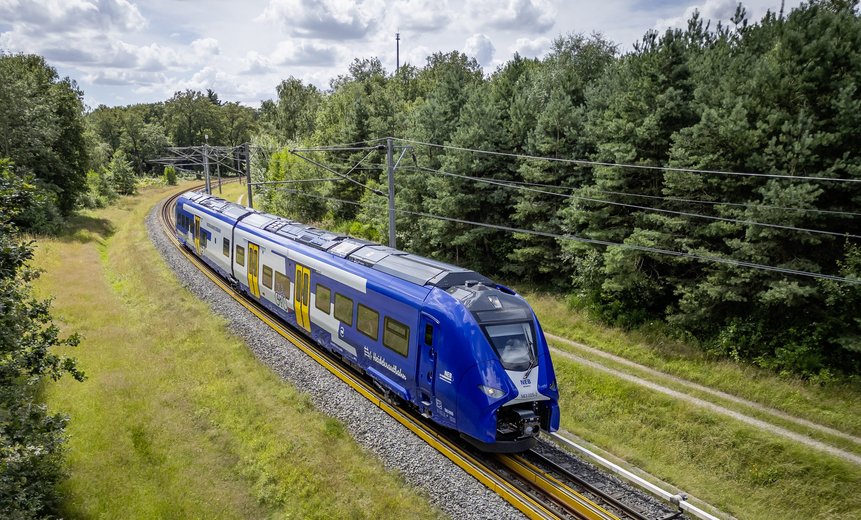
(400, 264)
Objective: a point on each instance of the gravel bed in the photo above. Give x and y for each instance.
(608, 483)
(447, 486)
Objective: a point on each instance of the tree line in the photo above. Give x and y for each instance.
(778, 98)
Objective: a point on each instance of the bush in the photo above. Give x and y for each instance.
(121, 173)
(31, 439)
(170, 175)
(100, 190)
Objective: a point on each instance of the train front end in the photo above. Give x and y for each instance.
(509, 394)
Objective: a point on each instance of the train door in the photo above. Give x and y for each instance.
(427, 340)
(253, 269)
(302, 296)
(197, 234)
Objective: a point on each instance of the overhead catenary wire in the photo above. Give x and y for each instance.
(607, 243)
(635, 206)
(585, 162)
(341, 147)
(345, 176)
(757, 206)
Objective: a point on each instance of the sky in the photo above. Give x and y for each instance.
(123, 51)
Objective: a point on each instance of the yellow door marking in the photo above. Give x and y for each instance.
(302, 296)
(197, 234)
(253, 269)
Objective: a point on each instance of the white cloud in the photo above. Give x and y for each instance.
(257, 64)
(421, 15)
(305, 52)
(523, 16)
(531, 48)
(242, 54)
(480, 47)
(72, 15)
(709, 10)
(415, 56)
(115, 77)
(205, 47)
(325, 19)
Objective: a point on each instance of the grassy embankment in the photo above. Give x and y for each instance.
(177, 419)
(734, 466)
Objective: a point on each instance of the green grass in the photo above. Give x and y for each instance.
(736, 468)
(730, 465)
(837, 405)
(177, 419)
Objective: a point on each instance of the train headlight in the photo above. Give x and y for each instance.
(489, 391)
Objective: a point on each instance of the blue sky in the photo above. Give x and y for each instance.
(125, 51)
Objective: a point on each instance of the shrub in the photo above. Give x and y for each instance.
(31, 439)
(121, 173)
(170, 175)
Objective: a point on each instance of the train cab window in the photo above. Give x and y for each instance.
(368, 322)
(322, 298)
(226, 248)
(514, 345)
(282, 284)
(344, 309)
(240, 255)
(396, 336)
(429, 334)
(267, 276)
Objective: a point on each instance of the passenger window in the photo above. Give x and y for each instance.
(322, 298)
(396, 336)
(344, 309)
(202, 238)
(429, 335)
(226, 248)
(368, 322)
(240, 255)
(282, 284)
(267, 276)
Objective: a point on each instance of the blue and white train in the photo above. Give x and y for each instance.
(467, 353)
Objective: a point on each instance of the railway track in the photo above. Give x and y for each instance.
(533, 484)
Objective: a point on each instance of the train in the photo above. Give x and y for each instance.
(465, 352)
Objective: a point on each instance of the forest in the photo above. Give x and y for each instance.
(761, 267)
(706, 180)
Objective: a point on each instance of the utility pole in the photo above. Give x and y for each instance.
(218, 169)
(397, 52)
(248, 174)
(206, 163)
(391, 169)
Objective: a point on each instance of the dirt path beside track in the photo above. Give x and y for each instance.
(696, 401)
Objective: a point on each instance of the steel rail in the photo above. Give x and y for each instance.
(557, 469)
(558, 491)
(572, 502)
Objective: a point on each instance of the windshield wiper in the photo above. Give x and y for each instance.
(533, 360)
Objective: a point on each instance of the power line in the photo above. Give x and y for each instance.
(703, 258)
(634, 206)
(359, 145)
(678, 199)
(631, 166)
(294, 181)
(345, 176)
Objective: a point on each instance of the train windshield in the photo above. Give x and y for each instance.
(513, 344)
